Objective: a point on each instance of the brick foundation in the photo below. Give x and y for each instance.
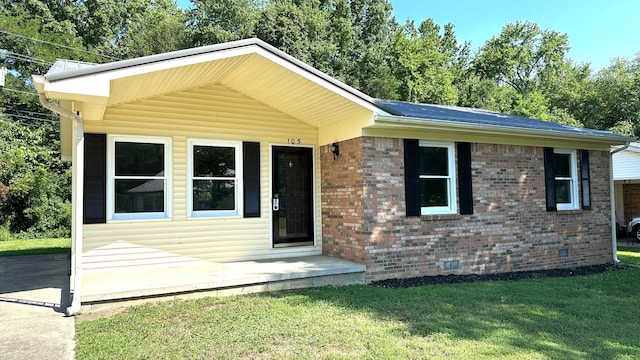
(364, 215)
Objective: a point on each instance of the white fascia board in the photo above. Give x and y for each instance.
(420, 123)
(77, 88)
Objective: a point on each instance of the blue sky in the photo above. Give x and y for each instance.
(598, 30)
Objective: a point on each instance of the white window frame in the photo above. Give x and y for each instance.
(451, 181)
(238, 178)
(573, 163)
(111, 214)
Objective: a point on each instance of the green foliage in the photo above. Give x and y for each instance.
(422, 59)
(152, 27)
(612, 97)
(530, 105)
(520, 55)
(5, 234)
(38, 200)
(218, 21)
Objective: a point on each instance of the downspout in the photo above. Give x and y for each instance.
(612, 200)
(76, 200)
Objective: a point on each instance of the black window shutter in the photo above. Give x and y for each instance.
(95, 179)
(251, 178)
(411, 176)
(585, 179)
(465, 192)
(549, 179)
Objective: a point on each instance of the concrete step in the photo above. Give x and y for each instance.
(100, 290)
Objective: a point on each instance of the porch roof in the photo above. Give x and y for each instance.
(250, 67)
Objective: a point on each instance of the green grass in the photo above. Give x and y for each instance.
(16, 247)
(590, 317)
(629, 255)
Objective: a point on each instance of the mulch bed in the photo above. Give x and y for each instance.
(517, 275)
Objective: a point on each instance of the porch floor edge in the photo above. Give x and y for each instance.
(221, 279)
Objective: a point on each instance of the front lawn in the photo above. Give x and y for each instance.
(579, 317)
(15, 247)
(629, 254)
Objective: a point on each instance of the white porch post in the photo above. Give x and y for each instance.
(77, 203)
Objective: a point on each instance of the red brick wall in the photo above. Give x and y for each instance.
(510, 229)
(342, 201)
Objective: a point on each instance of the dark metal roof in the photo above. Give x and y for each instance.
(68, 65)
(481, 117)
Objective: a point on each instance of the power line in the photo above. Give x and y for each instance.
(59, 45)
(32, 112)
(19, 91)
(17, 56)
(28, 117)
(18, 123)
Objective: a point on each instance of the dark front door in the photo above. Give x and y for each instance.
(292, 196)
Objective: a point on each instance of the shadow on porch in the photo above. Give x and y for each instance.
(108, 289)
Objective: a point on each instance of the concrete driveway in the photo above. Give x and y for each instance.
(33, 296)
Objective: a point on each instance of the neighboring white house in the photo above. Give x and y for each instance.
(626, 178)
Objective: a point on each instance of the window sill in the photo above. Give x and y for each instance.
(569, 211)
(441, 217)
(213, 217)
(127, 220)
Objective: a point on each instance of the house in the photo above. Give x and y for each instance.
(237, 152)
(626, 178)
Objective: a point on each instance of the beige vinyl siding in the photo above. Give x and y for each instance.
(212, 112)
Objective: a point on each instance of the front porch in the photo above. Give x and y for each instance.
(217, 279)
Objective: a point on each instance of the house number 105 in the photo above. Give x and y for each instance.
(294, 141)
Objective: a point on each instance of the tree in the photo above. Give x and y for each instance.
(218, 21)
(521, 55)
(427, 63)
(611, 98)
(152, 27)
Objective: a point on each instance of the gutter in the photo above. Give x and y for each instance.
(386, 121)
(614, 232)
(77, 195)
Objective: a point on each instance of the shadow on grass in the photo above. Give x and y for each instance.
(38, 251)
(583, 317)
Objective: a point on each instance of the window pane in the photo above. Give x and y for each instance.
(563, 191)
(434, 161)
(139, 159)
(562, 165)
(434, 192)
(134, 196)
(214, 195)
(214, 161)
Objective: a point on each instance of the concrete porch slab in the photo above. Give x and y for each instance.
(222, 278)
